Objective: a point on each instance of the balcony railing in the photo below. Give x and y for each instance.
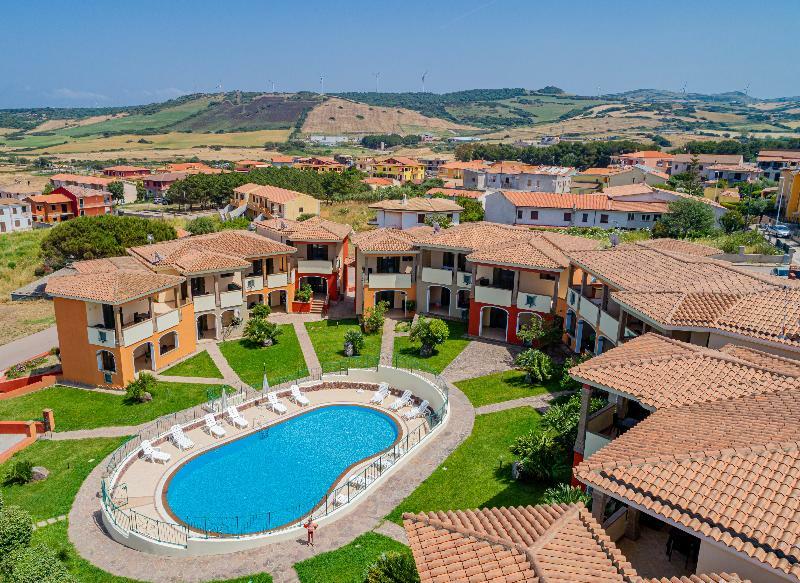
(137, 332)
(493, 295)
(323, 266)
(204, 303)
(253, 283)
(588, 311)
(439, 276)
(389, 280)
(102, 336)
(609, 325)
(231, 298)
(277, 279)
(538, 302)
(168, 320)
(464, 279)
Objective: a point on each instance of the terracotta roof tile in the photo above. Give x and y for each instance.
(387, 239)
(475, 236)
(541, 250)
(680, 246)
(456, 192)
(418, 204)
(81, 179)
(313, 229)
(272, 193)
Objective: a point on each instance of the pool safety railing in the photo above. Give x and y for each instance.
(207, 527)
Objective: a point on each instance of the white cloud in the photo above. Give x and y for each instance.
(77, 94)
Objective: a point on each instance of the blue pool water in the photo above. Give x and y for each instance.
(278, 475)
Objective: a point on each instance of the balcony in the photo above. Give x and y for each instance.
(230, 299)
(253, 283)
(389, 280)
(599, 429)
(137, 332)
(588, 310)
(537, 302)
(277, 280)
(100, 336)
(204, 303)
(493, 295)
(168, 320)
(608, 326)
(438, 276)
(464, 279)
(322, 266)
(573, 299)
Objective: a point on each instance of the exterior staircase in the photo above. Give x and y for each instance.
(317, 307)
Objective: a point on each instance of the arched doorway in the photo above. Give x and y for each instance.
(207, 327)
(143, 357)
(586, 337)
(277, 300)
(319, 285)
(438, 300)
(167, 343)
(494, 323)
(254, 300)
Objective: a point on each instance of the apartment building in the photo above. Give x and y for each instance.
(773, 162)
(407, 213)
(789, 194)
(87, 202)
(321, 255)
(319, 164)
(399, 168)
(593, 180)
(677, 289)
(81, 181)
(156, 185)
(271, 201)
(519, 176)
(432, 164)
(696, 441)
(681, 162)
(50, 208)
(15, 215)
(651, 158)
(125, 171)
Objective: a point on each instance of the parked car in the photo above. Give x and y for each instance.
(779, 231)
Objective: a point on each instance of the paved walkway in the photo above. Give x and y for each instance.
(27, 347)
(92, 543)
(119, 431)
(309, 354)
(480, 358)
(229, 375)
(194, 380)
(387, 342)
(539, 402)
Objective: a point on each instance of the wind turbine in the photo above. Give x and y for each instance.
(273, 85)
(747, 89)
(377, 81)
(425, 74)
(322, 84)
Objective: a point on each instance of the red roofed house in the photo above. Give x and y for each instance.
(272, 201)
(96, 182)
(123, 171)
(87, 202)
(650, 158)
(50, 208)
(157, 185)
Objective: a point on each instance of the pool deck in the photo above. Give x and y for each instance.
(145, 480)
(92, 542)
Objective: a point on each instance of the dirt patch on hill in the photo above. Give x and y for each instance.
(339, 116)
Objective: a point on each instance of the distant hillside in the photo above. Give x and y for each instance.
(262, 112)
(651, 95)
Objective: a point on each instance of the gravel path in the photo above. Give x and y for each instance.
(387, 342)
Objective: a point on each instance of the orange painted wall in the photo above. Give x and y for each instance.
(369, 294)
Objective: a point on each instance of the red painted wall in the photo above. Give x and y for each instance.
(513, 314)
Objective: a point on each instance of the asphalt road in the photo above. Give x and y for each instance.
(27, 347)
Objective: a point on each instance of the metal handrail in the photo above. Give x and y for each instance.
(177, 534)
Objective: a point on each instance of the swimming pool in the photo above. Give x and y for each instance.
(275, 476)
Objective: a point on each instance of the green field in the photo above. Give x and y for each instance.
(407, 355)
(502, 386)
(199, 365)
(283, 360)
(327, 336)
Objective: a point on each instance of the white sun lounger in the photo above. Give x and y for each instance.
(276, 405)
(384, 462)
(341, 500)
(299, 397)
(358, 481)
(417, 411)
(401, 402)
(179, 438)
(213, 427)
(381, 394)
(235, 418)
(154, 454)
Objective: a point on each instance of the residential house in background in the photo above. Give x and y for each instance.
(594, 180)
(432, 164)
(732, 173)
(519, 176)
(406, 213)
(321, 257)
(20, 190)
(454, 193)
(192, 168)
(156, 185)
(789, 194)
(455, 170)
(249, 165)
(681, 162)
(15, 215)
(399, 168)
(50, 208)
(319, 164)
(651, 158)
(81, 181)
(256, 200)
(124, 171)
(280, 161)
(376, 183)
(87, 202)
(773, 162)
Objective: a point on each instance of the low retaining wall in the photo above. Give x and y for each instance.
(10, 388)
(30, 429)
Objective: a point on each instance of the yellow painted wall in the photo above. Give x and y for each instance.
(791, 192)
(309, 204)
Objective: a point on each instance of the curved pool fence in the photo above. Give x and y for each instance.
(267, 517)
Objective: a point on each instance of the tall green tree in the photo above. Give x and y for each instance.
(686, 218)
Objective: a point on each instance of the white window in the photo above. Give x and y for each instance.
(106, 361)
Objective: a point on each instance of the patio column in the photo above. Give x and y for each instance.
(599, 501)
(515, 289)
(580, 441)
(555, 293)
(632, 524)
(216, 289)
(118, 325)
(578, 336)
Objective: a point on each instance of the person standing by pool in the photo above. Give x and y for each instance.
(311, 526)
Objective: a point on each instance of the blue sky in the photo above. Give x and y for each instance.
(104, 52)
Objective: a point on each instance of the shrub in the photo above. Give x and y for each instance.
(732, 221)
(562, 419)
(566, 494)
(16, 529)
(304, 293)
(260, 311)
(261, 331)
(543, 332)
(567, 383)
(38, 564)
(373, 317)
(392, 568)
(304, 217)
(23, 368)
(540, 456)
(202, 226)
(429, 332)
(141, 389)
(537, 365)
(355, 339)
(20, 472)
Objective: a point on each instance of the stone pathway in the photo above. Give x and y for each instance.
(387, 342)
(539, 402)
(310, 355)
(119, 431)
(229, 375)
(92, 543)
(480, 358)
(392, 530)
(193, 380)
(49, 521)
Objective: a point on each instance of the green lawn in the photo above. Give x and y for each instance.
(407, 352)
(82, 409)
(55, 537)
(478, 473)
(327, 336)
(200, 365)
(284, 359)
(347, 564)
(502, 386)
(69, 463)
